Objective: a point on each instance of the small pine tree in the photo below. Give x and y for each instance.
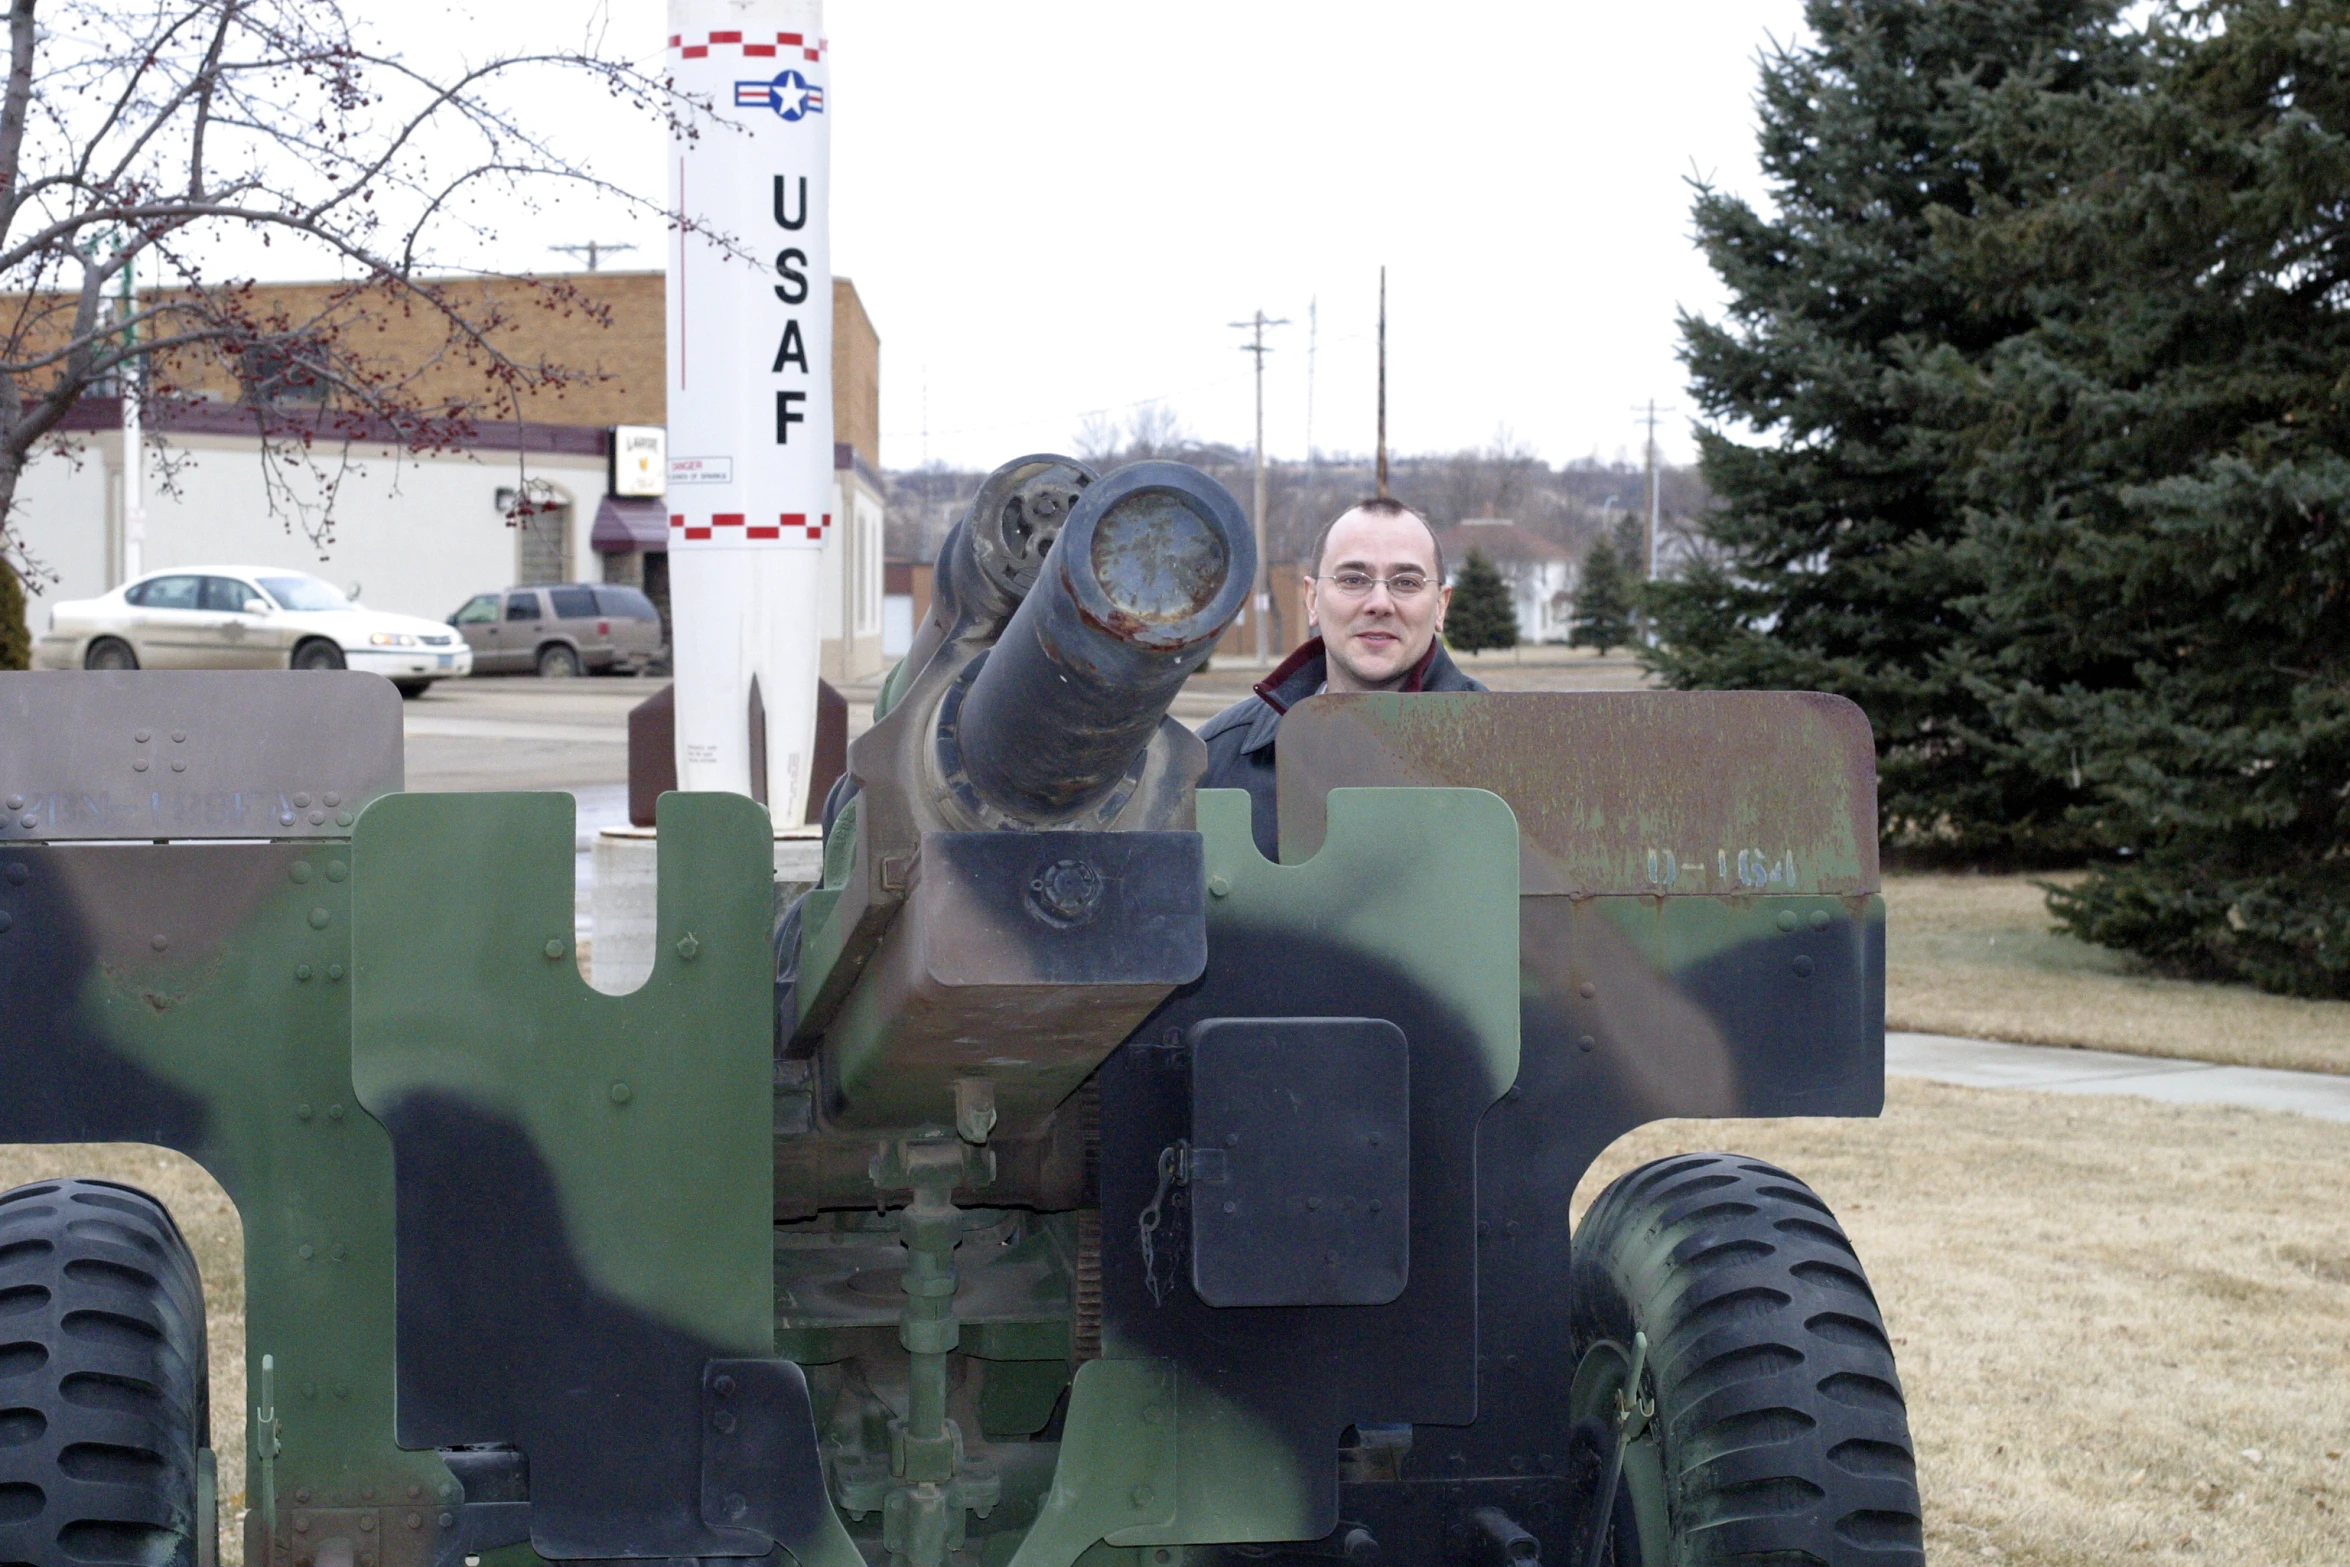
(1481, 615)
(1603, 603)
(16, 639)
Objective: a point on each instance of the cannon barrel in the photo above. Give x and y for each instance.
(1151, 566)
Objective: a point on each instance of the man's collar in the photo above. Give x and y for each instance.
(1305, 671)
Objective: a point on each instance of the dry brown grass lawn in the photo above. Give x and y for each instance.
(1979, 956)
(2124, 1327)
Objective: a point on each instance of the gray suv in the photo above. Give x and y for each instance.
(564, 629)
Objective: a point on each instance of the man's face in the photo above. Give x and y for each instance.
(1375, 639)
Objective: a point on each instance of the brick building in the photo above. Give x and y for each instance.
(422, 533)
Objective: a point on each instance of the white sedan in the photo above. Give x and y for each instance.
(246, 617)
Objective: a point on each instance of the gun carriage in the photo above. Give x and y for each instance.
(1060, 1181)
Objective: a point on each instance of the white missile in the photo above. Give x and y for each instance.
(750, 496)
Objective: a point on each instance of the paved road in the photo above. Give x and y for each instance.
(1983, 1063)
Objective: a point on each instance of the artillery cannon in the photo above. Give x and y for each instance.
(1059, 1181)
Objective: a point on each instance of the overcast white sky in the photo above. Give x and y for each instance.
(1055, 207)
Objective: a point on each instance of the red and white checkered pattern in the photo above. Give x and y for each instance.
(751, 47)
(723, 527)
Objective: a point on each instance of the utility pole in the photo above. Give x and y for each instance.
(594, 250)
(134, 437)
(1382, 380)
(1648, 531)
(1261, 610)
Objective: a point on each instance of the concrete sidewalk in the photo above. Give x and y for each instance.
(1984, 1063)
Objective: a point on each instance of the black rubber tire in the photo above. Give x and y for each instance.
(104, 1408)
(558, 662)
(110, 653)
(410, 690)
(317, 653)
(1780, 1424)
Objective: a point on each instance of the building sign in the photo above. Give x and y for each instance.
(640, 459)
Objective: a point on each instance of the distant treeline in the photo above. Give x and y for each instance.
(1569, 505)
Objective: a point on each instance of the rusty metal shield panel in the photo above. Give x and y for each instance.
(1666, 793)
(132, 754)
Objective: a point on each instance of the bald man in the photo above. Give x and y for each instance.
(1376, 602)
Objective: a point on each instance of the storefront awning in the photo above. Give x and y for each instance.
(626, 523)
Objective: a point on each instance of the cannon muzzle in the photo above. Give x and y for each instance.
(1151, 566)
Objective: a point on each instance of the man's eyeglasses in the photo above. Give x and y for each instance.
(1358, 584)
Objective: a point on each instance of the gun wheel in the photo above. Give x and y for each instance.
(104, 1413)
(1768, 1426)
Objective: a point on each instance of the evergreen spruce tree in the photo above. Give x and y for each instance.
(2161, 484)
(1603, 600)
(1839, 537)
(16, 639)
(1481, 615)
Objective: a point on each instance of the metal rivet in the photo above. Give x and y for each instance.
(338, 1251)
(16, 802)
(367, 1493)
(1510, 1228)
(334, 1112)
(178, 765)
(1231, 1206)
(142, 737)
(724, 1421)
(301, 801)
(299, 871)
(1142, 1495)
(723, 1386)
(1314, 1204)
(1373, 1138)
(736, 1504)
(1330, 1259)
(414, 1492)
(1819, 919)
(139, 766)
(301, 1524)
(448, 1520)
(159, 942)
(334, 971)
(1585, 1043)
(330, 799)
(28, 820)
(366, 1520)
(1803, 968)
(1587, 990)
(416, 1520)
(622, 1093)
(1377, 1206)
(1218, 887)
(6, 919)
(302, 971)
(317, 818)
(336, 870)
(305, 1251)
(553, 949)
(302, 1112)
(1786, 919)
(342, 818)
(1232, 1139)
(302, 1495)
(285, 818)
(688, 948)
(179, 737)
(319, 919)
(1152, 1414)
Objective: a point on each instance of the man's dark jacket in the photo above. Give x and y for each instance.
(1240, 738)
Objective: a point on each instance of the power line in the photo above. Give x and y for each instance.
(1260, 612)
